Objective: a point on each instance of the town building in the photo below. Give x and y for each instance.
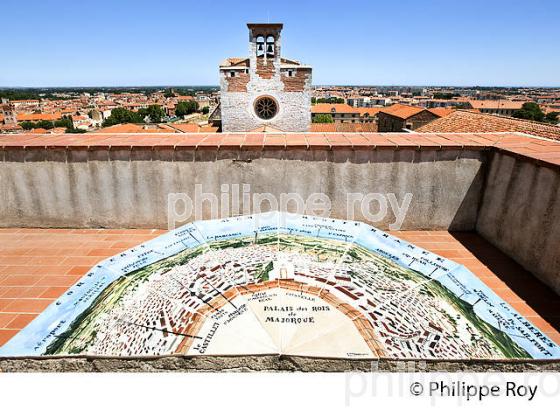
(344, 127)
(8, 113)
(398, 117)
(345, 114)
(265, 90)
(367, 101)
(26, 104)
(468, 121)
(500, 107)
(338, 112)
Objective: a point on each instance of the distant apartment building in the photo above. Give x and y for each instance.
(344, 114)
(499, 107)
(547, 99)
(26, 105)
(170, 109)
(339, 112)
(82, 122)
(265, 91)
(398, 117)
(442, 103)
(8, 113)
(357, 101)
(202, 101)
(367, 101)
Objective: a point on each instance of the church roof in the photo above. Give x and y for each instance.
(244, 62)
(235, 61)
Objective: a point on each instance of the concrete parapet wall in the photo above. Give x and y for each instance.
(82, 187)
(520, 214)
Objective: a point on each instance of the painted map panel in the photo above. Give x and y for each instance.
(279, 283)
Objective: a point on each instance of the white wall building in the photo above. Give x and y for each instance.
(265, 91)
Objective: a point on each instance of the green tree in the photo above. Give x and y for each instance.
(445, 96)
(27, 125)
(323, 119)
(205, 110)
(169, 93)
(44, 124)
(530, 111)
(331, 100)
(122, 116)
(552, 117)
(154, 112)
(185, 108)
(65, 121)
(313, 100)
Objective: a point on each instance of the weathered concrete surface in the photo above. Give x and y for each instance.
(129, 188)
(266, 363)
(520, 214)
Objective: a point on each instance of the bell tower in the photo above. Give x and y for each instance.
(265, 91)
(264, 49)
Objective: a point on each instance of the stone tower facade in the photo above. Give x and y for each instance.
(265, 91)
(8, 112)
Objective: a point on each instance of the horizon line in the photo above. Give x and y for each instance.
(2, 87)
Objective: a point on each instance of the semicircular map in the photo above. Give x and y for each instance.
(279, 283)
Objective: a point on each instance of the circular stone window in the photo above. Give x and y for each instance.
(266, 108)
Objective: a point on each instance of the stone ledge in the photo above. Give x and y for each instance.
(544, 152)
(534, 149)
(267, 363)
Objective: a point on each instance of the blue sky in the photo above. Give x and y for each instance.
(390, 42)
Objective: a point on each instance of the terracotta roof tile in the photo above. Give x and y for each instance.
(441, 111)
(275, 140)
(324, 108)
(321, 127)
(370, 111)
(496, 104)
(38, 117)
(134, 128)
(183, 127)
(402, 111)
(233, 140)
(254, 140)
(467, 122)
(342, 127)
(542, 150)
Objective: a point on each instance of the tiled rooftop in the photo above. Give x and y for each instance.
(402, 111)
(340, 108)
(342, 127)
(155, 128)
(38, 265)
(468, 121)
(544, 151)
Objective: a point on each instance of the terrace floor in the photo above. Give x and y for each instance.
(39, 265)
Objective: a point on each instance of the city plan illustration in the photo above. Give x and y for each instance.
(280, 283)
